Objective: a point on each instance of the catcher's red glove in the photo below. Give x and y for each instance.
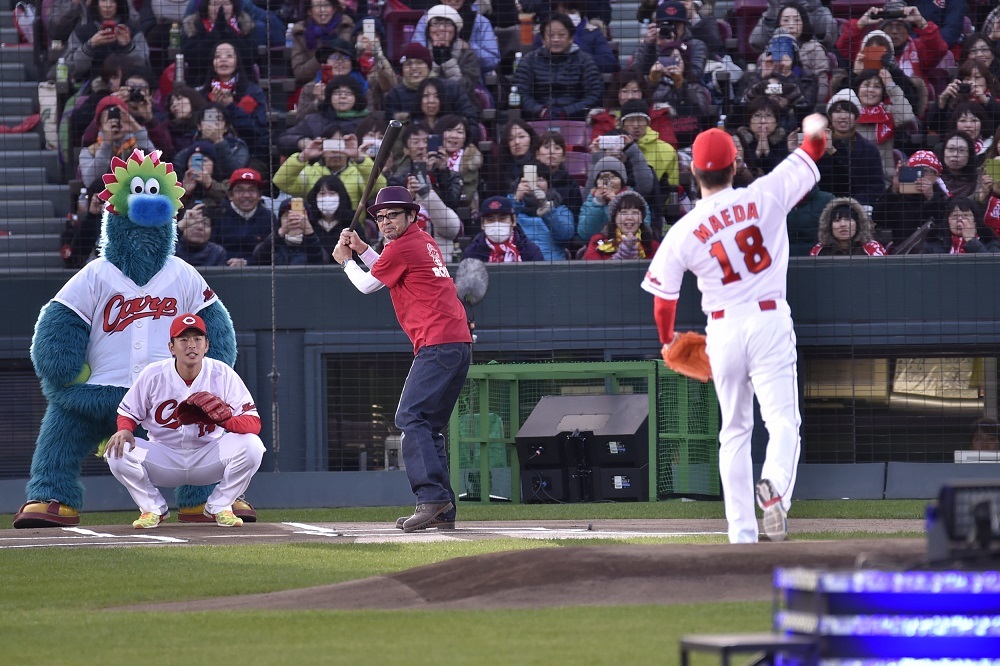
(203, 407)
(686, 355)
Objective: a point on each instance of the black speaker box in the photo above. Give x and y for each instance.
(620, 483)
(544, 486)
(615, 428)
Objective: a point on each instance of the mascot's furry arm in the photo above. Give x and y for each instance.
(221, 333)
(59, 348)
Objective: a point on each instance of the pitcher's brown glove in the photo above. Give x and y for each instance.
(204, 407)
(686, 355)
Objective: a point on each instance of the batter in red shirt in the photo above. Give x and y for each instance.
(427, 307)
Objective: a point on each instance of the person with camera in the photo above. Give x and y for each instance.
(476, 30)
(415, 64)
(244, 221)
(884, 109)
(231, 152)
(338, 59)
(620, 145)
(294, 242)
(550, 157)
(541, 215)
(608, 179)
(454, 60)
(137, 94)
(852, 165)
(796, 18)
(660, 155)
(198, 176)
(975, 83)
(183, 106)
(913, 197)
(782, 79)
(230, 84)
(685, 102)
(214, 22)
(118, 136)
(327, 24)
(194, 244)
(432, 185)
(558, 81)
(343, 105)
(917, 43)
(107, 30)
(669, 32)
(334, 152)
(453, 141)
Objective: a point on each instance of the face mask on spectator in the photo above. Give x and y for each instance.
(328, 203)
(497, 232)
(575, 18)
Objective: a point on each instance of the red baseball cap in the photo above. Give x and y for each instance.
(246, 176)
(184, 322)
(713, 150)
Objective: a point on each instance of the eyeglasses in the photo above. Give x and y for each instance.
(379, 219)
(980, 49)
(957, 150)
(339, 57)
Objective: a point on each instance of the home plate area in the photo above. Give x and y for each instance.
(171, 533)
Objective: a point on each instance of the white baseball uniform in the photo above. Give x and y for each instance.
(736, 243)
(196, 454)
(115, 307)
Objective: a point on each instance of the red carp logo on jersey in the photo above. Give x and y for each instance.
(120, 312)
(165, 414)
(730, 216)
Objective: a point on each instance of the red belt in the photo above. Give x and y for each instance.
(764, 307)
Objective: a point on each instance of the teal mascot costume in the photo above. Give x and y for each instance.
(105, 325)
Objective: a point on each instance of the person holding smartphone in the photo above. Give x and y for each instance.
(783, 79)
(198, 176)
(902, 213)
(295, 241)
(325, 25)
(118, 136)
(456, 150)
(108, 30)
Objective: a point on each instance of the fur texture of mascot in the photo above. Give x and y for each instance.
(106, 324)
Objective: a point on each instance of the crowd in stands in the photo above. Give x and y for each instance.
(535, 141)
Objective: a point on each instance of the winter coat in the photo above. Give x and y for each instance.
(863, 241)
(590, 38)
(401, 102)
(479, 247)
(800, 90)
(482, 39)
(947, 15)
(232, 153)
(303, 59)
(296, 178)
(248, 113)
(468, 170)
(985, 242)
(568, 189)
(854, 170)
(660, 155)
(801, 221)
(84, 62)
(567, 84)
(825, 27)
(309, 252)
(902, 113)
(902, 214)
(923, 52)
(551, 229)
(594, 217)
(638, 173)
(197, 45)
(462, 68)
(311, 126)
(816, 59)
(763, 165)
(239, 236)
(208, 254)
(697, 56)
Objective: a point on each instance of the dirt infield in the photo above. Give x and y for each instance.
(566, 576)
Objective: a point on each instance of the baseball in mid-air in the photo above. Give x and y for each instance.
(814, 124)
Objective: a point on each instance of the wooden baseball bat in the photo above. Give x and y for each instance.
(388, 141)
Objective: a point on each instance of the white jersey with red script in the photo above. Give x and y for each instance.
(735, 241)
(129, 324)
(153, 399)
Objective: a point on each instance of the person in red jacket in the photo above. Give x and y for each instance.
(427, 307)
(917, 43)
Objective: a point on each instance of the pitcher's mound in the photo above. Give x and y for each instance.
(581, 575)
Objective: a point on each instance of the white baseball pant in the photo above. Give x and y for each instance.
(230, 461)
(753, 352)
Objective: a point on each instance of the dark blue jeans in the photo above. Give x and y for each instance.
(429, 395)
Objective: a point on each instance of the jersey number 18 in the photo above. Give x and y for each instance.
(755, 255)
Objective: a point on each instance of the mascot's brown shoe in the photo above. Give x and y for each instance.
(36, 513)
(196, 514)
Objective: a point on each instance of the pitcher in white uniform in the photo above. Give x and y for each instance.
(736, 242)
(227, 451)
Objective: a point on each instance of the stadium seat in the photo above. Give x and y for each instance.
(577, 165)
(746, 13)
(848, 9)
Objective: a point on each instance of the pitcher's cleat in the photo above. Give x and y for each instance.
(775, 517)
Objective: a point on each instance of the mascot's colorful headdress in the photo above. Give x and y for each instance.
(140, 174)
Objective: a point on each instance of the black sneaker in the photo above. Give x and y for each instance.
(437, 523)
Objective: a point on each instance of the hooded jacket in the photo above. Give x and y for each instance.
(604, 245)
(568, 83)
(863, 241)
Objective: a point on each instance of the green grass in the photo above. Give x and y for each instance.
(52, 600)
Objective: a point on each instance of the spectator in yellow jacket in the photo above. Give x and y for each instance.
(336, 155)
(660, 155)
